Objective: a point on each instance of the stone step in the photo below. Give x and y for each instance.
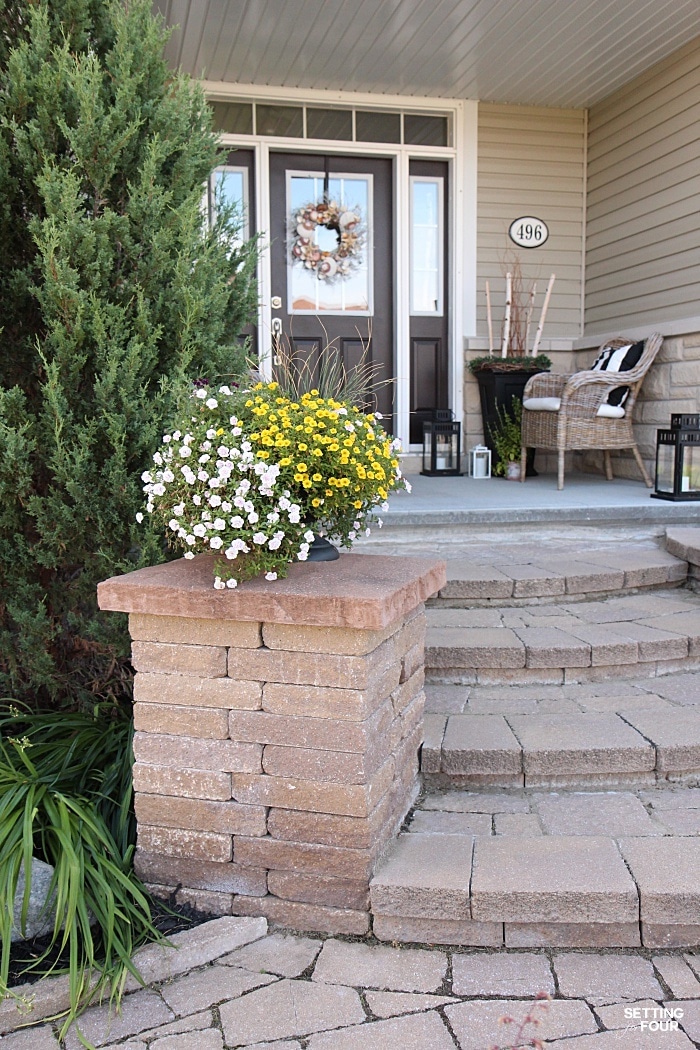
(525, 573)
(533, 869)
(643, 633)
(605, 734)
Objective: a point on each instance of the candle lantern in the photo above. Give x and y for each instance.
(677, 474)
(442, 445)
(480, 462)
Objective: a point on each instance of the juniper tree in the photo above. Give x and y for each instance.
(113, 294)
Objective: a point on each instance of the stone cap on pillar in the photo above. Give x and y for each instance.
(363, 591)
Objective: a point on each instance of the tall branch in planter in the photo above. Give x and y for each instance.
(115, 295)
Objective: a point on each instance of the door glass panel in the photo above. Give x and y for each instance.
(427, 240)
(229, 185)
(286, 121)
(422, 130)
(377, 127)
(315, 288)
(233, 118)
(329, 124)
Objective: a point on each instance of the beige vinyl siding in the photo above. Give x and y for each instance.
(532, 162)
(643, 228)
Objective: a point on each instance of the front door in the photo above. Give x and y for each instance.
(332, 262)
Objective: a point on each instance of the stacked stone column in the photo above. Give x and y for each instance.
(277, 732)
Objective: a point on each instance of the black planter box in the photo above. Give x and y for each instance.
(496, 391)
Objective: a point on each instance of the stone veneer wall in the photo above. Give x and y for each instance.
(275, 756)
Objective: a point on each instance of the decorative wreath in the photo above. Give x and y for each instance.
(345, 222)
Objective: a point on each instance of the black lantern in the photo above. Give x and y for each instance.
(678, 459)
(442, 438)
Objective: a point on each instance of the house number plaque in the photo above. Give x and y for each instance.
(528, 232)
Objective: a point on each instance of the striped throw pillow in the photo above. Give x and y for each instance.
(618, 359)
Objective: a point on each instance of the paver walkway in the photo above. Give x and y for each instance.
(231, 984)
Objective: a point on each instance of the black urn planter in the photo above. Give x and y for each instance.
(497, 391)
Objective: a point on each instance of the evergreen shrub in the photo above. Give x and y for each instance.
(114, 296)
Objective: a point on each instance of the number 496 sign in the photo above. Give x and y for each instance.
(528, 232)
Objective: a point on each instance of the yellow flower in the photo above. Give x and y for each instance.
(220, 431)
(357, 504)
(285, 461)
(263, 454)
(316, 502)
(302, 447)
(302, 467)
(317, 477)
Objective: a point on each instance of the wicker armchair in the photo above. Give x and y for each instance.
(575, 424)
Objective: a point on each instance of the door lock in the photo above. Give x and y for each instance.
(276, 302)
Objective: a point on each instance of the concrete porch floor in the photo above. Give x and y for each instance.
(584, 498)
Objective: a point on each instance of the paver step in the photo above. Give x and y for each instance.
(532, 869)
(643, 633)
(606, 734)
(526, 573)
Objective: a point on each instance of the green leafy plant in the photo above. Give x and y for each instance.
(506, 435)
(116, 294)
(249, 476)
(526, 363)
(65, 797)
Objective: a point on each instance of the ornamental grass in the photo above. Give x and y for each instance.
(252, 476)
(65, 797)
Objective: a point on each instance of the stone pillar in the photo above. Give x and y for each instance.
(277, 731)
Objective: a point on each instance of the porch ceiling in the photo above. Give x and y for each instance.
(564, 53)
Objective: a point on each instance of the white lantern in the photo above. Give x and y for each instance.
(480, 462)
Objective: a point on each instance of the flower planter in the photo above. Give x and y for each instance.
(277, 731)
(496, 392)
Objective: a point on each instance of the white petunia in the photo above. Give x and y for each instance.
(147, 476)
(302, 555)
(219, 584)
(177, 434)
(232, 583)
(252, 517)
(201, 393)
(179, 509)
(309, 536)
(219, 524)
(202, 475)
(214, 483)
(174, 525)
(231, 553)
(204, 459)
(225, 390)
(259, 537)
(237, 521)
(168, 476)
(270, 575)
(225, 506)
(275, 543)
(215, 542)
(190, 540)
(167, 438)
(157, 458)
(215, 500)
(189, 555)
(139, 517)
(185, 451)
(158, 490)
(223, 451)
(197, 500)
(211, 403)
(200, 530)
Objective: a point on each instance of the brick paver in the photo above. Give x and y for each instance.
(410, 970)
(605, 978)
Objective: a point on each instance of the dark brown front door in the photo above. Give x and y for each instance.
(350, 301)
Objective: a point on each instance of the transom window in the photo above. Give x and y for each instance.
(338, 124)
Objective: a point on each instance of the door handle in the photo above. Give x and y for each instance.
(276, 327)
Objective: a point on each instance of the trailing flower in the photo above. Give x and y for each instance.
(252, 476)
